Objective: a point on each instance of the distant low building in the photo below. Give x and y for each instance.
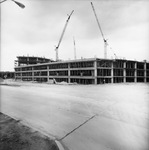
(85, 71)
(7, 74)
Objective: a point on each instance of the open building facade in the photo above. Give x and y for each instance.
(85, 71)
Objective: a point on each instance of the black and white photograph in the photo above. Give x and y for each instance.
(74, 75)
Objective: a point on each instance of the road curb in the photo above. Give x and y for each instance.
(59, 145)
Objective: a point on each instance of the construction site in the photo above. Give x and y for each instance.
(79, 96)
(85, 71)
(81, 71)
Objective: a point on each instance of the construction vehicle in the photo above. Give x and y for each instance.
(61, 37)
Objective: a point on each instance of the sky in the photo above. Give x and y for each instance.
(36, 29)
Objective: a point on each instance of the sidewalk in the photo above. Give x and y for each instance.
(14, 135)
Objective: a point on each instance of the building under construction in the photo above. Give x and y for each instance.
(30, 60)
(81, 71)
(85, 71)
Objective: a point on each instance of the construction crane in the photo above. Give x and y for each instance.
(75, 57)
(105, 41)
(61, 37)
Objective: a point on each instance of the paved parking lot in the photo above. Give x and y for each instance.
(83, 117)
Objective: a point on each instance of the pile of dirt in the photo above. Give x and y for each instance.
(15, 136)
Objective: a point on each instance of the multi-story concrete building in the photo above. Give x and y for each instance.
(86, 71)
(28, 60)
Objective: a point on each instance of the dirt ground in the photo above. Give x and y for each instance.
(15, 136)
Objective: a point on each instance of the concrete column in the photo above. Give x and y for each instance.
(95, 72)
(47, 73)
(145, 72)
(21, 75)
(112, 73)
(32, 73)
(68, 72)
(135, 79)
(124, 72)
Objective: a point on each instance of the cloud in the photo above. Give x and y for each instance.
(37, 28)
(114, 15)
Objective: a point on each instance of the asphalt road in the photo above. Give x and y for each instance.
(83, 117)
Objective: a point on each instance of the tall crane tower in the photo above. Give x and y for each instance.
(75, 56)
(61, 37)
(105, 41)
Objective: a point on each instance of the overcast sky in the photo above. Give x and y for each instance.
(36, 29)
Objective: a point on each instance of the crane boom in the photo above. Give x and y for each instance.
(105, 41)
(75, 56)
(97, 21)
(61, 37)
